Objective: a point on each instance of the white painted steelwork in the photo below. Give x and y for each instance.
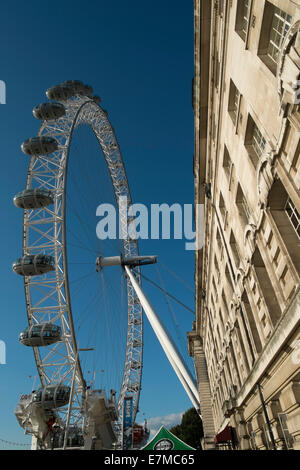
(44, 230)
(167, 343)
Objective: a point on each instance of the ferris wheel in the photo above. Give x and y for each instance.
(53, 331)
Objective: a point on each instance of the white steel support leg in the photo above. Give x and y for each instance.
(34, 443)
(70, 403)
(167, 344)
(183, 382)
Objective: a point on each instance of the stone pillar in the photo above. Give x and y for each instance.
(196, 350)
(241, 430)
(258, 425)
(274, 409)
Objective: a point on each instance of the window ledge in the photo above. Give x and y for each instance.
(269, 63)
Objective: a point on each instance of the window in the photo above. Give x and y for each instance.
(255, 142)
(222, 207)
(227, 164)
(225, 305)
(242, 18)
(220, 244)
(221, 7)
(216, 265)
(252, 321)
(234, 102)
(258, 141)
(253, 440)
(280, 26)
(288, 439)
(293, 215)
(266, 287)
(275, 26)
(228, 277)
(217, 66)
(234, 250)
(242, 206)
(268, 441)
(287, 219)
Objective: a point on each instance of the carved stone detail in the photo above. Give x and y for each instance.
(250, 240)
(265, 178)
(240, 279)
(288, 71)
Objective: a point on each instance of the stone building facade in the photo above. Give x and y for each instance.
(246, 337)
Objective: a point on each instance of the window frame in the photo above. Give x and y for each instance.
(243, 18)
(269, 17)
(234, 102)
(253, 139)
(290, 207)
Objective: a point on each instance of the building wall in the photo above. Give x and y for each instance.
(247, 161)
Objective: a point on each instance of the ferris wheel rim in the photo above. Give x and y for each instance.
(90, 104)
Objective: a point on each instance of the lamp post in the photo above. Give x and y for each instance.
(263, 404)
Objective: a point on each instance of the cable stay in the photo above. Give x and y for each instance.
(167, 293)
(177, 277)
(180, 338)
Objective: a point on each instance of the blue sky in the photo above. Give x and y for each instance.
(138, 56)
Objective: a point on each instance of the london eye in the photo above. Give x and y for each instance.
(57, 255)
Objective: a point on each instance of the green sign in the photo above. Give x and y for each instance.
(165, 440)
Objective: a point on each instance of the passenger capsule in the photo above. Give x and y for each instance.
(34, 265)
(87, 90)
(41, 334)
(33, 198)
(49, 111)
(75, 438)
(38, 146)
(60, 93)
(97, 99)
(76, 86)
(52, 396)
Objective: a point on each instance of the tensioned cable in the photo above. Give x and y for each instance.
(86, 188)
(114, 353)
(84, 203)
(84, 176)
(167, 293)
(91, 186)
(177, 328)
(82, 248)
(112, 342)
(84, 314)
(14, 443)
(83, 222)
(177, 277)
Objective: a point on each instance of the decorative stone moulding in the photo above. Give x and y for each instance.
(288, 70)
(250, 240)
(235, 302)
(265, 176)
(234, 307)
(240, 278)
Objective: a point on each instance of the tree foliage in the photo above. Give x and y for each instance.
(190, 430)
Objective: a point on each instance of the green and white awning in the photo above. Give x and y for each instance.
(165, 440)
